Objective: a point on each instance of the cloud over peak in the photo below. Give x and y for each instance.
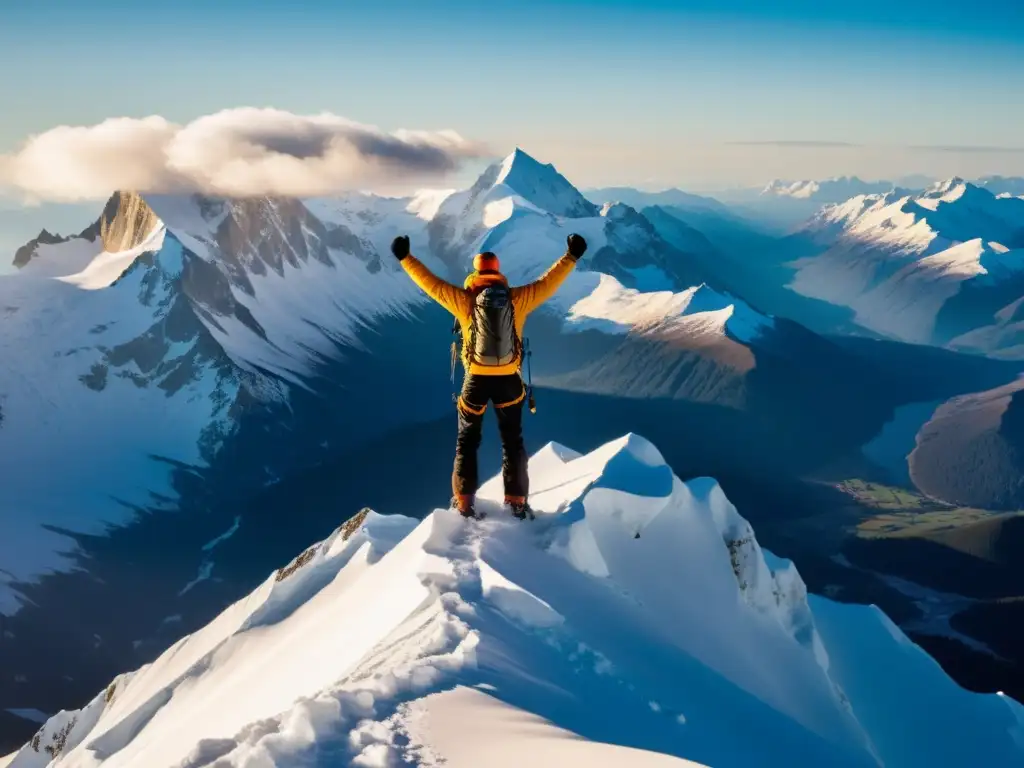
(236, 152)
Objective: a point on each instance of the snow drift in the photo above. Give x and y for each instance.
(636, 621)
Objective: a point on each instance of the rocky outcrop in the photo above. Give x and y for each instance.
(30, 250)
(126, 222)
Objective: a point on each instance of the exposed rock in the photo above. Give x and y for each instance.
(27, 252)
(125, 223)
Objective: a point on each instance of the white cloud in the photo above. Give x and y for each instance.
(236, 152)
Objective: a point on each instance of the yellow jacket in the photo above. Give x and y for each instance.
(459, 301)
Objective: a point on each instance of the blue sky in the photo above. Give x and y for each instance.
(651, 93)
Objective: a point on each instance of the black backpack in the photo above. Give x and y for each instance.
(493, 340)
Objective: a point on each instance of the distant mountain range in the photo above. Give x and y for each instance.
(927, 268)
(826, 191)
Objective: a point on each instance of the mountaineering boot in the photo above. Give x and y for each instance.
(464, 506)
(519, 508)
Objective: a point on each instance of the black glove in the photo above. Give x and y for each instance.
(576, 246)
(400, 247)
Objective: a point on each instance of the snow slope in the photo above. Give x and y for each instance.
(106, 267)
(189, 296)
(284, 290)
(86, 359)
(57, 259)
(599, 301)
(917, 267)
(636, 621)
(124, 226)
(517, 197)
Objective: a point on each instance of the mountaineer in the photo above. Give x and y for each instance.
(491, 315)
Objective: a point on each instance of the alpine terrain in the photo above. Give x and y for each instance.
(942, 267)
(637, 621)
(197, 387)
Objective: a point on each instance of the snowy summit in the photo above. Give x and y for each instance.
(636, 622)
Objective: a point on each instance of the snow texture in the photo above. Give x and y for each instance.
(78, 375)
(107, 267)
(636, 621)
(279, 286)
(897, 258)
(599, 301)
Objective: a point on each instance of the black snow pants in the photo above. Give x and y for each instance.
(507, 393)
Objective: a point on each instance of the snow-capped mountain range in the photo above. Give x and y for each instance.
(637, 621)
(174, 320)
(825, 191)
(927, 268)
(98, 339)
(191, 353)
(1009, 186)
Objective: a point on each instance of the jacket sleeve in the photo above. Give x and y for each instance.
(528, 297)
(451, 297)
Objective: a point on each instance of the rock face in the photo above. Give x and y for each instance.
(27, 252)
(126, 222)
(31, 252)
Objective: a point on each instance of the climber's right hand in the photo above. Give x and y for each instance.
(576, 245)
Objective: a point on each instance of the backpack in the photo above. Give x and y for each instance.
(493, 340)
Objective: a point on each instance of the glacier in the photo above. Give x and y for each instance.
(637, 621)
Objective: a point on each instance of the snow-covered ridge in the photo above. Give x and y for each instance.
(636, 613)
(519, 187)
(899, 258)
(98, 335)
(523, 211)
(542, 186)
(949, 211)
(208, 300)
(127, 225)
(606, 305)
(827, 190)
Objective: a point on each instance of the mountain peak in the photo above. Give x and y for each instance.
(951, 190)
(542, 185)
(947, 185)
(619, 211)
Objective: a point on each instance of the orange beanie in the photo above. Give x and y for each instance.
(486, 262)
